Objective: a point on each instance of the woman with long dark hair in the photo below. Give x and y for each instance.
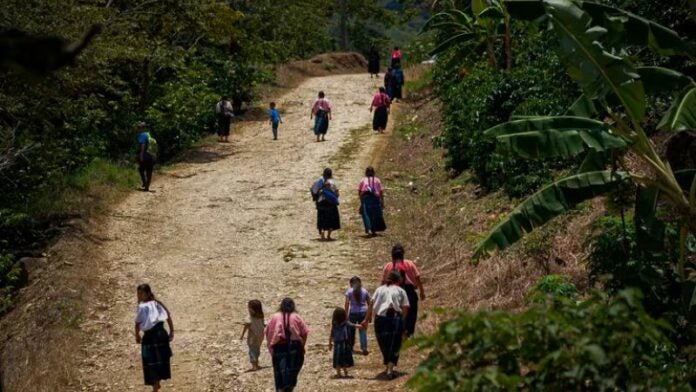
(325, 195)
(321, 113)
(357, 302)
(380, 103)
(411, 280)
(155, 350)
(390, 306)
(371, 195)
(373, 63)
(286, 337)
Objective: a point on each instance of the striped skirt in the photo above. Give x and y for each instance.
(156, 354)
(342, 355)
(389, 331)
(287, 363)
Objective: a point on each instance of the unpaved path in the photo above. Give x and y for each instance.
(237, 224)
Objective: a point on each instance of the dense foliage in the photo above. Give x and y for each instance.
(477, 97)
(597, 344)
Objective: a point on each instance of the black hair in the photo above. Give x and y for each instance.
(394, 277)
(145, 289)
(339, 317)
(398, 252)
(256, 308)
(328, 173)
(225, 98)
(356, 285)
(370, 171)
(382, 90)
(321, 94)
(287, 305)
(396, 48)
(273, 105)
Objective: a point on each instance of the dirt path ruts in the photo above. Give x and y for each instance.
(234, 226)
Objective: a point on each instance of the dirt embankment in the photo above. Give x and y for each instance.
(292, 73)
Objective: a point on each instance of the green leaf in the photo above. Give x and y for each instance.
(594, 161)
(457, 39)
(582, 107)
(559, 136)
(650, 230)
(596, 354)
(682, 114)
(627, 29)
(658, 80)
(549, 202)
(598, 72)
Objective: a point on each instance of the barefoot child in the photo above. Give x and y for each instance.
(339, 341)
(274, 120)
(255, 326)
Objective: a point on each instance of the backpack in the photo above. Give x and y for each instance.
(401, 268)
(151, 144)
(329, 195)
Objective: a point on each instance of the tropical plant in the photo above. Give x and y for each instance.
(600, 343)
(477, 30)
(605, 123)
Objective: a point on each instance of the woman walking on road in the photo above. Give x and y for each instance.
(321, 112)
(371, 195)
(390, 306)
(411, 281)
(286, 336)
(380, 104)
(373, 63)
(224, 114)
(154, 344)
(389, 82)
(325, 194)
(398, 81)
(357, 301)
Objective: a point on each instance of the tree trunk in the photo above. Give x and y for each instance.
(343, 23)
(508, 43)
(492, 62)
(145, 86)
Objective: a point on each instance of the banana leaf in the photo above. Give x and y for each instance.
(658, 80)
(682, 114)
(549, 202)
(558, 136)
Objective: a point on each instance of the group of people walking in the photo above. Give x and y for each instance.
(392, 308)
(325, 194)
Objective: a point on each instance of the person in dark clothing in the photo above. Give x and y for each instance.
(325, 194)
(389, 82)
(146, 160)
(373, 63)
(398, 81)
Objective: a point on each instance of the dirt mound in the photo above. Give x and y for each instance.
(292, 73)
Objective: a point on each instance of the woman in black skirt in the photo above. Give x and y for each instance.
(155, 350)
(286, 337)
(390, 306)
(380, 104)
(325, 194)
(373, 63)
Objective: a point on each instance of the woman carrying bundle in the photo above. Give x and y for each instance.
(371, 195)
(380, 103)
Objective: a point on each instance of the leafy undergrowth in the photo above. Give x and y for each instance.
(440, 219)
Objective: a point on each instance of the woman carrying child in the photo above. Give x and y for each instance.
(339, 342)
(357, 301)
(371, 195)
(321, 112)
(255, 326)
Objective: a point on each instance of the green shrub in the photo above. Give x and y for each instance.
(12, 278)
(597, 344)
(479, 97)
(552, 286)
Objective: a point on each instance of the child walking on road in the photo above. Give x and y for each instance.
(274, 120)
(255, 326)
(339, 341)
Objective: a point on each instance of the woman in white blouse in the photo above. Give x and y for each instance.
(155, 350)
(390, 306)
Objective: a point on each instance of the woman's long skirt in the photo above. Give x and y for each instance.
(373, 66)
(321, 124)
(412, 314)
(328, 217)
(156, 354)
(397, 91)
(380, 118)
(389, 331)
(342, 355)
(372, 213)
(223, 125)
(287, 363)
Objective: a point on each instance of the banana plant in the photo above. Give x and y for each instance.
(472, 32)
(605, 122)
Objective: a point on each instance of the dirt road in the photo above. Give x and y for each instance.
(237, 223)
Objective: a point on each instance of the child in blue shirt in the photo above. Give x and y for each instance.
(274, 120)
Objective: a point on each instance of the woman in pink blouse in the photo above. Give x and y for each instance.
(371, 195)
(286, 337)
(321, 113)
(380, 103)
